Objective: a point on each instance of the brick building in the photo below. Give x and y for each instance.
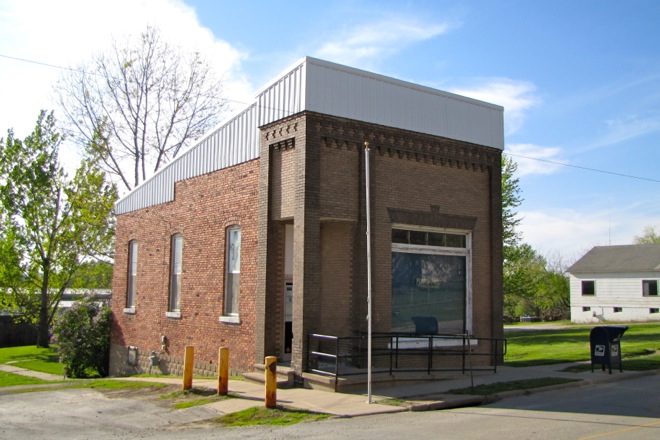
(255, 237)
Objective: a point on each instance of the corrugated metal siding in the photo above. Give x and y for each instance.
(283, 98)
(235, 142)
(351, 93)
(335, 90)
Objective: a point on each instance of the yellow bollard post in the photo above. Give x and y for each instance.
(271, 382)
(188, 361)
(223, 371)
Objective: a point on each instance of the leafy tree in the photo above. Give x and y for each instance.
(650, 236)
(93, 275)
(523, 272)
(552, 299)
(83, 338)
(51, 224)
(536, 285)
(511, 199)
(514, 273)
(135, 107)
(532, 284)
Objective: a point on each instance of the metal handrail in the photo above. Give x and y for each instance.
(393, 350)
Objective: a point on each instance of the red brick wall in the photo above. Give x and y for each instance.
(312, 173)
(203, 208)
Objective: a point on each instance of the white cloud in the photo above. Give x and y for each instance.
(67, 32)
(366, 42)
(572, 232)
(534, 159)
(517, 97)
(623, 129)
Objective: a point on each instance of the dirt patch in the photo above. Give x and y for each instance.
(167, 397)
(146, 393)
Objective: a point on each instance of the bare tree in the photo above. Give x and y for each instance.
(137, 106)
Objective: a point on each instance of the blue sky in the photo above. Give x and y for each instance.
(579, 81)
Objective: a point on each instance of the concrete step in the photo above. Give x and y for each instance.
(358, 382)
(285, 376)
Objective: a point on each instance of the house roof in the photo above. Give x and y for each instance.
(634, 258)
(328, 88)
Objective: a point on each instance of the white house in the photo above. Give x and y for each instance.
(616, 283)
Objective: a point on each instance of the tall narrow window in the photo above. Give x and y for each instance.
(233, 271)
(176, 267)
(131, 287)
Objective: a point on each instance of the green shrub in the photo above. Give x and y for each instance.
(83, 337)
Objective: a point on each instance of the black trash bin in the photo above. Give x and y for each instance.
(605, 344)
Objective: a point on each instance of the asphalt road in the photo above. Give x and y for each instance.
(627, 409)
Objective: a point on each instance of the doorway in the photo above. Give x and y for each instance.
(288, 293)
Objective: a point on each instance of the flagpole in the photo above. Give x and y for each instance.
(366, 176)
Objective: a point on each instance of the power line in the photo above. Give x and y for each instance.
(648, 179)
(55, 66)
(630, 176)
(39, 63)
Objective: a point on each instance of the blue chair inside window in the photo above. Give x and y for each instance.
(425, 325)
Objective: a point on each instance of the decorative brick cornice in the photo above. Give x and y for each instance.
(450, 153)
(387, 141)
(434, 218)
(340, 144)
(286, 129)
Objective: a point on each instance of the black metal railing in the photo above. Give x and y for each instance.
(402, 353)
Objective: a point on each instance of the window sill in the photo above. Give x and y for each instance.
(230, 319)
(422, 342)
(174, 315)
(129, 311)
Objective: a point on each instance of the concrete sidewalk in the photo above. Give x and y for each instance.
(429, 395)
(9, 368)
(419, 396)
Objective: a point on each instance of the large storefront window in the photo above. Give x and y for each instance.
(429, 281)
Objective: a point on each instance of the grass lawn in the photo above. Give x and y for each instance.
(45, 360)
(640, 346)
(267, 416)
(12, 380)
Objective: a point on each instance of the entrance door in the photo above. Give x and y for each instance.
(288, 292)
(288, 320)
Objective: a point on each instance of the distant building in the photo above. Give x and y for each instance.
(616, 283)
(15, 332)
(71, 296)
(255, 237)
